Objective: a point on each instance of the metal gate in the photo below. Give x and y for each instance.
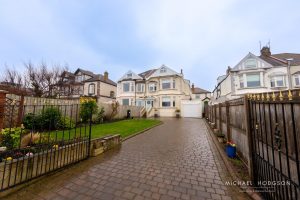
(48, 138)
(275, 133)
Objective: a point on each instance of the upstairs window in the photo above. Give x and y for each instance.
(112, 94)
(163, 70)
(197, 96)
(174, 83)
(253, 80)
(152, 87)
(140, 87)
(277, 81)
(241, 79)
(166, 84)
(297, 79)
(91, 88)
(126, 87)
(129, 75)
(250, 63)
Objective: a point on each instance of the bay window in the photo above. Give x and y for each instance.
(241, 79)
(253, 80)
(166, 84)
(126, 87)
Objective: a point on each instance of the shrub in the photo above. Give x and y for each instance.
(67, 123)
(32, 121)
(11, 137)
(51, 118)
(86, 109)
(99, 116)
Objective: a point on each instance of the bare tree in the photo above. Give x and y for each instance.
(12, 77)
(43, 80)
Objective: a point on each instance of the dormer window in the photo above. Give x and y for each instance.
(129, 75)
(163, 70)
(250, 63)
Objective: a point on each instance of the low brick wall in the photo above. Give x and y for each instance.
(100, 145)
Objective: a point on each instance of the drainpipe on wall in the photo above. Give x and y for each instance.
(289, 72)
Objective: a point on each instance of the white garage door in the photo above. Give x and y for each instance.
(191, 109)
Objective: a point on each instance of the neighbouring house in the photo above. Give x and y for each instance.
(201, 95)
(160, 91)
(86, 83)
(256, 74)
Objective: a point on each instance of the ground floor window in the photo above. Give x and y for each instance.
(277, 81)
(125, 102)
(140, 103)
(166, 102)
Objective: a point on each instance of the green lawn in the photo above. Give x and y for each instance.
(124, 128)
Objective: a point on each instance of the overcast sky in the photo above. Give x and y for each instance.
(202, 37)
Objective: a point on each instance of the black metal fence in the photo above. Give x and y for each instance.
(42, 139)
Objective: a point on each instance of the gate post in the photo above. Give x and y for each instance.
(2, 108)
(249, 137)
(20, 111)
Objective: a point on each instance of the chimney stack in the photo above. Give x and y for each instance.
(105, 76)
(265, 51)
(181, 71)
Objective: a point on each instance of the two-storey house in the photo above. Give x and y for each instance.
(160, 90)
(86, 83)
(256, 74)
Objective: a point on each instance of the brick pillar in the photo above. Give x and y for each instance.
(2, 107)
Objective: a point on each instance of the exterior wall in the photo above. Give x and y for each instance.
(180, 92)
(102, 90)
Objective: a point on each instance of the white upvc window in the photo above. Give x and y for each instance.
(166, 102)
(250, 63)
(140, 87)
(241, 80)
(253, 80)
(129, 75)
(166, 84)
(126, 87)
(91, 88)
(277, 81)
(163, 70)
(297, 79)
(152, 87)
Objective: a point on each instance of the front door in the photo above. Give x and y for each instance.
(149, 104)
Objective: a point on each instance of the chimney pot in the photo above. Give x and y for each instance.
(105, 76)
(265, 51)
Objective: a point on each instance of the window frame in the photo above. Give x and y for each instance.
(125, 100)
(89, 89)
(123, 86)
(297, 76)
(152, 85)
(166, 81)
(247, 66)
(251, 74)
(275, 80)
(163, 102)
(142, 87)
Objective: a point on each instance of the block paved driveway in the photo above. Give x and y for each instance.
(175, 160)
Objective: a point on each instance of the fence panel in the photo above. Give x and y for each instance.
(50, 137)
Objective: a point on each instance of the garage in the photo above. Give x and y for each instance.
(191, 109)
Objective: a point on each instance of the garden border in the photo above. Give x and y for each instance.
(253, 195)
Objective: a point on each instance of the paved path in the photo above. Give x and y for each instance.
(173, 161)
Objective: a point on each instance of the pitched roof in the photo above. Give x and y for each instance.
(273, 60)
(198, 90)
(100, 77)
(285, 56)
(147, 73)
(85, 72)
